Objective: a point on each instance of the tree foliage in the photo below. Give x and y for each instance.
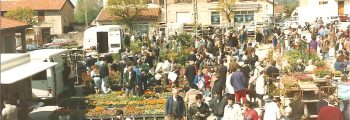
(89, 6)
(290, 6)
(26, 15)
(227, 8)
(126, 11)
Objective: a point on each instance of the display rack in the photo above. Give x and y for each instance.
(309, 97)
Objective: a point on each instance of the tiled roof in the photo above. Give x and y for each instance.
(6, 23)
(146, 14)
(33, 4)
(279, 9)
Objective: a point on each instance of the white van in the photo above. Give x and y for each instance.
(106, 38)
(52, 82)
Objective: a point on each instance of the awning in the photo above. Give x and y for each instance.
(23, 71)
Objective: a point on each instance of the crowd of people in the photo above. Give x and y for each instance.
(224, 67)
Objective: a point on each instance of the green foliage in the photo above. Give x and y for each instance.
(290, 6)
(90, 6)
(185, 39)
(126, 11)
(74, 102)
(23, 14)
(225, 7)
(116, 56)
(136, 46)
(293, 55)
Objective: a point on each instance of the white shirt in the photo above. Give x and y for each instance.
(10, 112)
(259, 85)
(229, 88)
(310, 68)
(272, 112)
(233, 113)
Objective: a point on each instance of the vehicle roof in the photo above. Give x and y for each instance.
(103, 28)
(46, 53)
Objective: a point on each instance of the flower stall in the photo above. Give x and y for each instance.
(104, 106)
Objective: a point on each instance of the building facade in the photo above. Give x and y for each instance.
(175, 13)
(8, 30)
(310, 9)
(205, 12)
(54, 17)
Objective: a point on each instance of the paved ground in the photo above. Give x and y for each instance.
(43, 113)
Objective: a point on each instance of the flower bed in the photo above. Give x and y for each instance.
(106, 105)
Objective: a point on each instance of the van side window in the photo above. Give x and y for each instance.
(40, 76)
(115, 45)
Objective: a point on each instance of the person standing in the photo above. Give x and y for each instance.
(10, 112)
(190, 73)
(175, 105)
(232, 111)
(299, 108)
(272, 72)
(104, 73)
(330, 113)
(217, 105)
(259, 37)
(128, 81)
(95, 75)
(249, 112)
(260, 88)
(199, 110)
(190, 97)
(238, 81)
(272, 112)
(22, 106)
(222, 75)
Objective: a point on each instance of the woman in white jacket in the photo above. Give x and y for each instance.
(232, 111)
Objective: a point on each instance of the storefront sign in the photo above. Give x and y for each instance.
(247, 6)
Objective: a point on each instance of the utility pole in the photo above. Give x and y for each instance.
(195, 15)
(273, 12)
(86, 22)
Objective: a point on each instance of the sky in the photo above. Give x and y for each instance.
(74, 2)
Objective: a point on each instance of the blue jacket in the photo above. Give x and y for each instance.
(238, 81)
(339, 66)
(181, 106)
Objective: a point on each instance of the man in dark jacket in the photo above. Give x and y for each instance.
(246, 71)
(259, 37)
(199, 110)
(272, 72)
(175, 105)
(217, 105)
(222, 75)
(190, 73)
(297, 107)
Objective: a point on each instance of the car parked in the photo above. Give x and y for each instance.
(61, 42)
(344, 18)
(332, 19)
(30, 47)
(253, 26)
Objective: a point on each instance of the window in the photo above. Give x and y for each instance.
(214, 0)
(247, 0)
(115, 45)
(243, 16)
(41, 16)
(323, 2)
(40, 76)
(215, 18)
(182, 1)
